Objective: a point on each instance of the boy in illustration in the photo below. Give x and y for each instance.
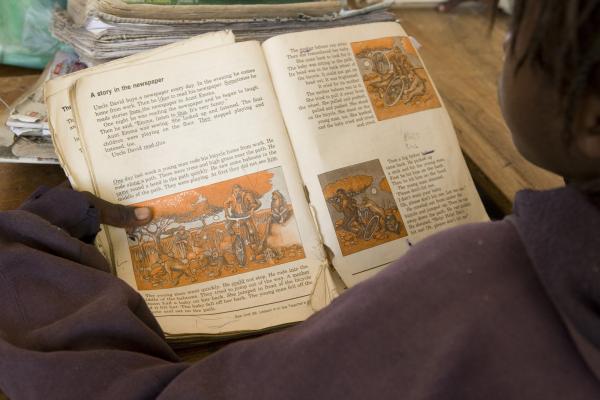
(384, 73)
(279, 209)
(182, 243)
(239, 207)
(414, 85)
(239, 210)
(500, 310)
(392, 223)
(379, 79)
(346, 204)
(399, 61)
(376, 211)
(415, 89)
(394, 66)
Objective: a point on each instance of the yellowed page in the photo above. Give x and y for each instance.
(60, 117)
(63, 128)
(200, 139)
(375, 146)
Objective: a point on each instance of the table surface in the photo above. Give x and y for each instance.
(464, 59)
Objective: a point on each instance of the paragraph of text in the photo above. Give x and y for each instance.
(334, 92)
(197, 170)
(142, 122)
(426, 205)
(221, 297)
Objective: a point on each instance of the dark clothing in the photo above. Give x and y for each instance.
(475, 312)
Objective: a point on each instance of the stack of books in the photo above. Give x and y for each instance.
(24, 131)
(104, 30)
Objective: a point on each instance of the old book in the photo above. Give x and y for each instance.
(265, 165)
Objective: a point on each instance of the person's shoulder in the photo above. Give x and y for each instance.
(470, 256)
(467, 276)
(473, 243)
(474, 272)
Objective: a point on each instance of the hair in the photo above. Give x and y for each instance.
(564, 45)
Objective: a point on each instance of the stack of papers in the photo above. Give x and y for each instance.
(25, 135)
(199, 10)
(28, 118)
(98, 36)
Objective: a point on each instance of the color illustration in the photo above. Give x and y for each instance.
(227, 228)
(394, 77)
(361, 205)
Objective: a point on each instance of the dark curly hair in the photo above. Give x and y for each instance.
(565, 46)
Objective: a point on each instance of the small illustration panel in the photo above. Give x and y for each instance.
(227, 228)
(394, 77)
(361, 205)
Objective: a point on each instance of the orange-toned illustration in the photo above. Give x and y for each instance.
(227, 228)
(394, 77)
(361, 205)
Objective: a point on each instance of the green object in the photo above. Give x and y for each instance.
(25, 38)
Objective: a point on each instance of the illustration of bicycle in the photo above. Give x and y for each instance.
(238, 229)
(245, 236)
(393, 91)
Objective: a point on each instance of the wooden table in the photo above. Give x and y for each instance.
(464, 59)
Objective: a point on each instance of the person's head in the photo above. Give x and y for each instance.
(550, 86)
(235, 189)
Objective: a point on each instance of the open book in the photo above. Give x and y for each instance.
(264, 166)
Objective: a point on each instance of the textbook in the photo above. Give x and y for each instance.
(272, 170)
